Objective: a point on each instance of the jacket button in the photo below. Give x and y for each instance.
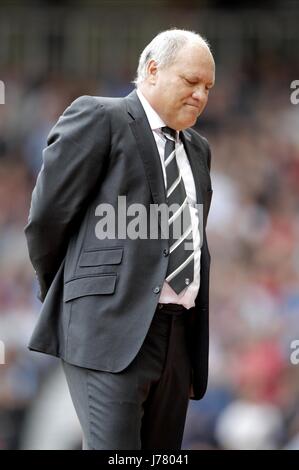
(165, 252)
(156, 290)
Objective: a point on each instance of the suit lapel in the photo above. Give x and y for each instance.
(147, 148)
(196, 162)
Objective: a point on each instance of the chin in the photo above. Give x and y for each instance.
(190, 123)
(191, 120)
(185, 123)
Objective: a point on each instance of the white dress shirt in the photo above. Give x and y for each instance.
(168, 295)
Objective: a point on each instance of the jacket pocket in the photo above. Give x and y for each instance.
(101, 257)
(83, 286)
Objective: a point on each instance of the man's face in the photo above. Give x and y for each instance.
(179, 92)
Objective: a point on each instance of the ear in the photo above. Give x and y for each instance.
(152, 70)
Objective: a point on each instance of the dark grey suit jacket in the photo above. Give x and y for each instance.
(99, 296)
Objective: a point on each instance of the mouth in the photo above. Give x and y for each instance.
(193, 106)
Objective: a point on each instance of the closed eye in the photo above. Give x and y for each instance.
(190, 82)
(195, 82)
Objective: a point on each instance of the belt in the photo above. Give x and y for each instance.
(173, 309)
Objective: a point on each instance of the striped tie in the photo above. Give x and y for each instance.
(180, 270)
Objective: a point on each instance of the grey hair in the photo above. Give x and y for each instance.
(164, 48)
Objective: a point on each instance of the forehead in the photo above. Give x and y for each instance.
(195, 59)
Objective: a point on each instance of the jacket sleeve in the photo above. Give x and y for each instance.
(75, 157)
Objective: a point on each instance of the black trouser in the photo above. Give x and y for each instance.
(145, 405)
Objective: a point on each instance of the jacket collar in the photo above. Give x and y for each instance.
(147, 147)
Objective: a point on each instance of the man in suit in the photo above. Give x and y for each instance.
(128, 315)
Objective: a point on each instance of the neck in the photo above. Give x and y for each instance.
(149, 96)
(144, 90)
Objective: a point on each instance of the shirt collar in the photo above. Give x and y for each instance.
(153, 117)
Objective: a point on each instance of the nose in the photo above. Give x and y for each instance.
(200, 94)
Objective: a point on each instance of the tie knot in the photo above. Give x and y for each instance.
(169, 132)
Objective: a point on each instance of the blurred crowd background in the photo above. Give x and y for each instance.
(52, 53)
